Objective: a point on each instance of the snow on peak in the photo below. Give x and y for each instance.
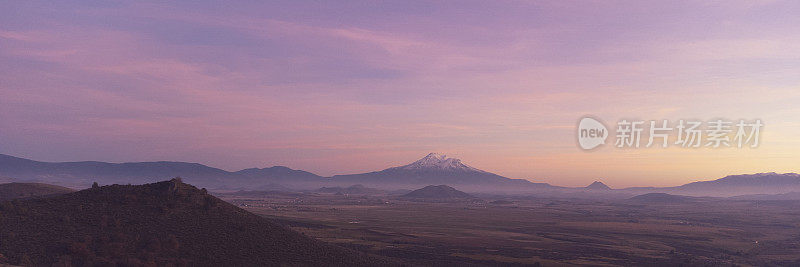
(436, 161)
(433, 157)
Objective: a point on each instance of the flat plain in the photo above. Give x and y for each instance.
(544, 231)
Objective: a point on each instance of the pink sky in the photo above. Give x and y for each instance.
(338, 88)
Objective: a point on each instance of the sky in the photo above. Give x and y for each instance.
(340, 87)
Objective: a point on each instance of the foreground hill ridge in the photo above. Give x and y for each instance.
(157, 224)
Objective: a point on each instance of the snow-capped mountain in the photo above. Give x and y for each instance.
(438, 162)
(431, 170)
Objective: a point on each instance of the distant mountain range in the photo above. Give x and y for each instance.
(732, 185)
(82, 174)
(433, 169)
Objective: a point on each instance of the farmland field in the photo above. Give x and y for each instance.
(530, 231)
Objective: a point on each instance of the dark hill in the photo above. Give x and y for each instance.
(27, 190)
(597, 185)
(352, 190)
(437, 192)
(158, 224)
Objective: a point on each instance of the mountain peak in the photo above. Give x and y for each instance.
(597, 185)
(434, 155)
(440, 162)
